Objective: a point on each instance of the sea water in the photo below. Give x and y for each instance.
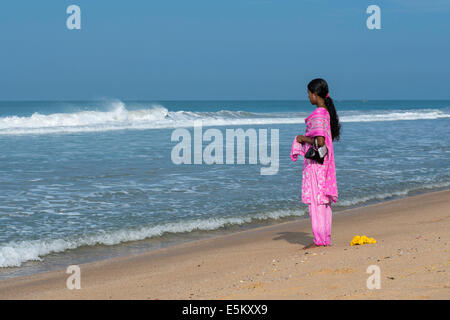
(86, 180)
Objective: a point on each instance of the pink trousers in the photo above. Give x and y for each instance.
(320, 214)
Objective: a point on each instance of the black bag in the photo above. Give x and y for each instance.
(313, 153)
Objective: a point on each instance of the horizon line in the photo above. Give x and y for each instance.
(204, 100)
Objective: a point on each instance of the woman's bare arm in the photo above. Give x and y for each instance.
(320, 140)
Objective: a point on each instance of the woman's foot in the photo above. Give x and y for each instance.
(311, 246)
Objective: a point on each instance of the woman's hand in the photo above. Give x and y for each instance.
(300, 139)
(320, 141)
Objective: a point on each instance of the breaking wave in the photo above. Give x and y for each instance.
(13, 254)
(118, 117)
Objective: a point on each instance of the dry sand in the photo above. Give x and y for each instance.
(268, 262)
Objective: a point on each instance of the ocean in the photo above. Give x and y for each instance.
(88, 180)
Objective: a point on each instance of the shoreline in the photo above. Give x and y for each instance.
(90, 254)
(262, 262)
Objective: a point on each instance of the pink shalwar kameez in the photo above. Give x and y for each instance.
(319, 186)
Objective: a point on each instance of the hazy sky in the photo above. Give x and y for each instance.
(223, 49)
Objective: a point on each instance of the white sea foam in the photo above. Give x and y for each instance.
(158, 117)
(385, 195)
(13, 254)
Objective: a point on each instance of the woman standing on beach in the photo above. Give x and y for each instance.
(319, 185)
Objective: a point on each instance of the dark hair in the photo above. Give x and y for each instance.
(320, 87)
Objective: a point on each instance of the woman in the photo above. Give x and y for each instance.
(319, 186)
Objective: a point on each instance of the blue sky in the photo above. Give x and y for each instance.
(223, 49)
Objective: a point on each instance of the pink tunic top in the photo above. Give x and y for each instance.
(317, 124)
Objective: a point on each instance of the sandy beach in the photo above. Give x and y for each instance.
(412, 253)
